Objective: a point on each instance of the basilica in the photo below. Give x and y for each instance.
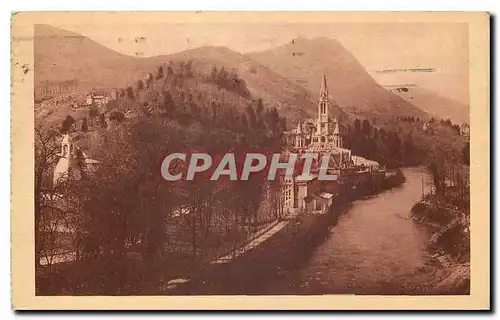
(321, 135)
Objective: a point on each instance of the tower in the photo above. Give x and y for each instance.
(70, 161)
(299, 139)
(337, 138)
(323, 106)
(61, 171)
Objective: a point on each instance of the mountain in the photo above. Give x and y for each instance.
(62, 56)
(304, 61)
(433, 103)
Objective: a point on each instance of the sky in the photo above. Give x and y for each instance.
(441, 47)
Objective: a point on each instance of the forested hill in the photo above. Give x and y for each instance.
(408, 141)
(176, 91)
(125, 205)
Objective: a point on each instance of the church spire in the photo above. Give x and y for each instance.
(324, 88)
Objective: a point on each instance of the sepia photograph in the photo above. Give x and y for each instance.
(226, 154)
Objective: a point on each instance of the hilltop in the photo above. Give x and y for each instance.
(61, 56)
(65, 56)
(303, 61)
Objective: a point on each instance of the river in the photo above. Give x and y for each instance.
(375, 248)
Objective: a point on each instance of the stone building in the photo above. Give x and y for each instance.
(71, 160)
(321, 135)
(96, 99)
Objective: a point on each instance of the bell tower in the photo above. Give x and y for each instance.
(63, 166)
(323, 106)
(299, 139)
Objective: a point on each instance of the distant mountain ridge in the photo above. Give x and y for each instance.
(433, 103)
(305, 60)
(287, 77)
(62, 56)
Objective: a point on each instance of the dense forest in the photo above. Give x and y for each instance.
(128, 209)
(387, 147)
(408, 141)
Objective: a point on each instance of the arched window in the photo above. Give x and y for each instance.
(323, 108)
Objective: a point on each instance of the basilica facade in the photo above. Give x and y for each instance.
(323, 134)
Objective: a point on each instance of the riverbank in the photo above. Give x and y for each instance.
(282, 248)
(374, 248)
(449, 245)
(288, 246)
(285, 246)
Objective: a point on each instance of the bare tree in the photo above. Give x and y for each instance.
(46, 156)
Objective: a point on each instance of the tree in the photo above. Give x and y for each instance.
(252, 118)
(283, 123)
(243, 124)
(436, 168)
(117, 115)
(130, 92)
(126, 203)
(67, 124)
(214, 74)
(94, 111)
(168, 103)
(140, 85)
(466, 153)
(188, 68)
(194, 110)
(149, 80)
(170, 71)
(366, 127)
(357, 126)
(260, 107)
(274, 120)
(102, 120)
(85, 125)
(214, 112)
(222, 78)
(46, 152)
(182, 66)
(160, 74)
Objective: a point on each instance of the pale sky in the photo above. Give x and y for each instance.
(439, 46)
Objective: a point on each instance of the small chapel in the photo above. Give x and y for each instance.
(71, 160)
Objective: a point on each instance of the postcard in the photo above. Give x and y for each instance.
(250, 161)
